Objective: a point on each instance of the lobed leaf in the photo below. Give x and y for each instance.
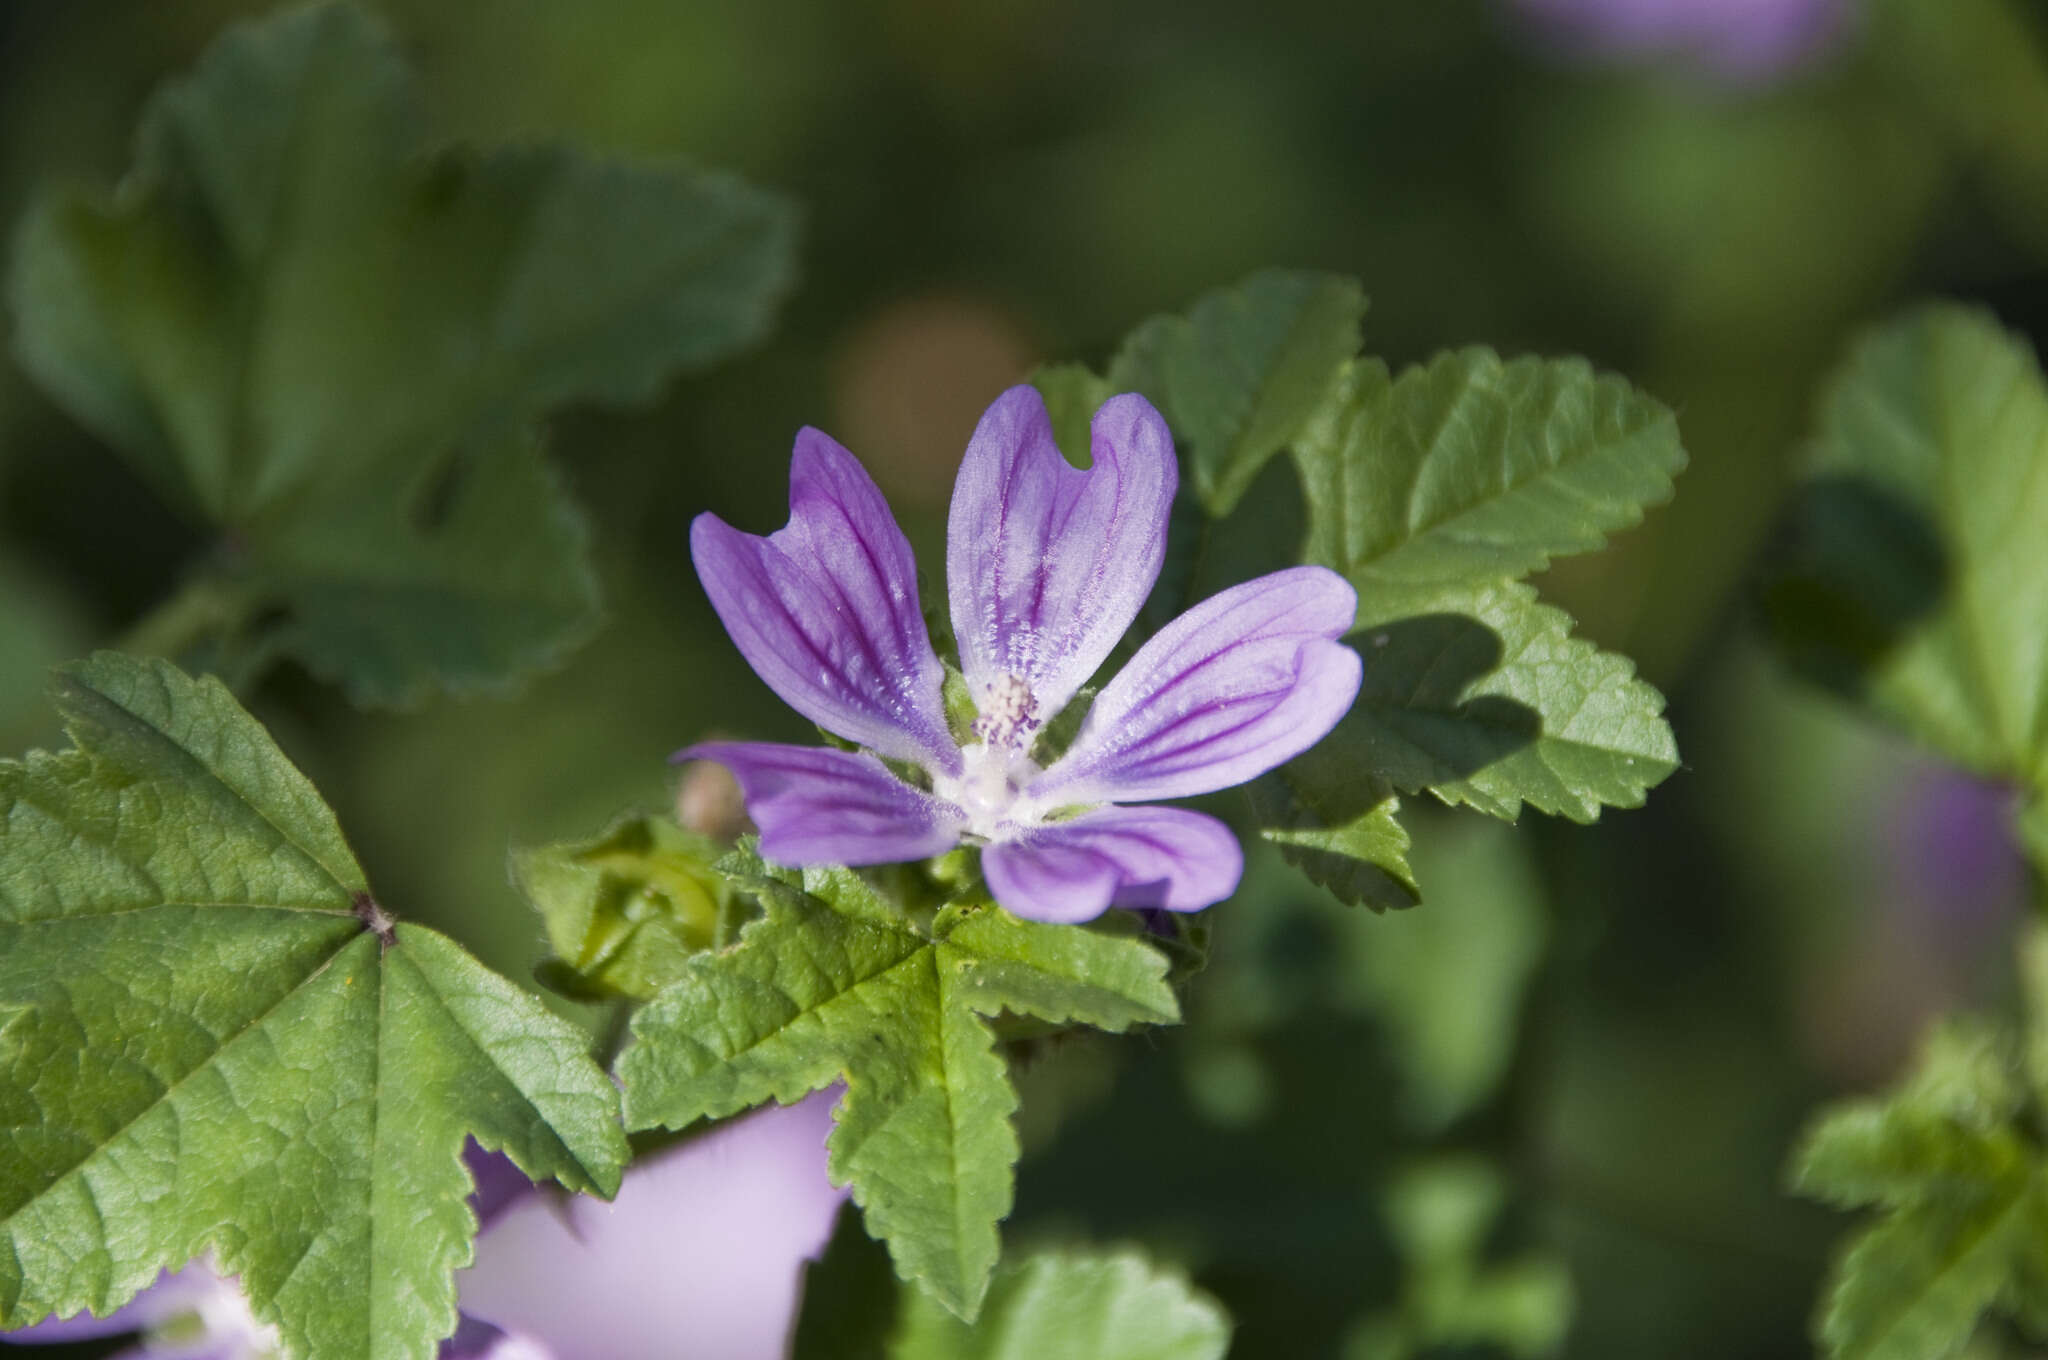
(328, 344)
(1240, 374)
(219, 1042)
(1488, 701)
(1472, 469)
(1103, 1305)
(1949, 1159)
(837, 981)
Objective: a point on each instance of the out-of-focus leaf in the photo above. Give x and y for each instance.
(1072, 393)
(837, 980)
(1471, 469)
(214, 1039)
(1940, 419)
(1240, 374)
(1448, 983)
(1960, 1179)
(330, 345)
(1440, 1214)
(625, 910)
(1098, 1305)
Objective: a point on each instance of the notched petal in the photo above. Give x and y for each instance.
(1246, 680)
(1048, 564)
(825, 609)
(1116, 856)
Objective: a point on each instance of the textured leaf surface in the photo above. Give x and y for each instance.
(1239, 375)
(837, 981)
(1934, 438)
(1471, 469)
(208, 1046)
(1960, 1181)
(329, 345)
(1491, 703)
(1102, 1305)
(623, 911)
(1360, 853)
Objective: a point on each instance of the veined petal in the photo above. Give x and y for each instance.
(817, 805)
(1115, 856)
(1250, 677)
(825, 609)
(1046, 565)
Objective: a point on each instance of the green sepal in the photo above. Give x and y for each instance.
(624, 910)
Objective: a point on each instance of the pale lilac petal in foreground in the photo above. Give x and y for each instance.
(1248, 678)
(699, 1255)
(825, 609)
(191, 1314)
(1046, 565)
(1116, 856)
(817, 805)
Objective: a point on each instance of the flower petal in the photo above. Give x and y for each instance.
(817, 805)
(700, 1254)
(825, 609)
(1116, 856)
(1046, 565)
(1248, 678)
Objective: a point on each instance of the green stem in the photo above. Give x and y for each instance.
(205, 608)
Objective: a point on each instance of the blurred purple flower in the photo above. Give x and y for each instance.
(1955, 860)
(191, 1314)
(1734, 39)
(1046, 567)
(700, 1253)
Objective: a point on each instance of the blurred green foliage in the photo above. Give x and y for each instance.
(989, 186)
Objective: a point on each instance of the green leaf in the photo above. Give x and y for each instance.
(1938, 420)
(1102, 1305)
(1914, 1286)
(1072, 393)
(218, 1041)
(849, 1297)
(1471, 469)
(330, 345)
(1489, 702)
(1960, 1181)
(837, 981)
(1440, 1213)
(625, 910)
(1359, 853)
(1448, 984)
(1239, 375)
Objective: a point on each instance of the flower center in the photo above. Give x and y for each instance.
(1009, 714)
(987, 789)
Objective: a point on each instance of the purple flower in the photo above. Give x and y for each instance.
(1736, 39)
(700, 1253)
(191, 1314)
(1046, 567)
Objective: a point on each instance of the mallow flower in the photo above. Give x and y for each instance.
(1047, 566)
(1740, 40)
